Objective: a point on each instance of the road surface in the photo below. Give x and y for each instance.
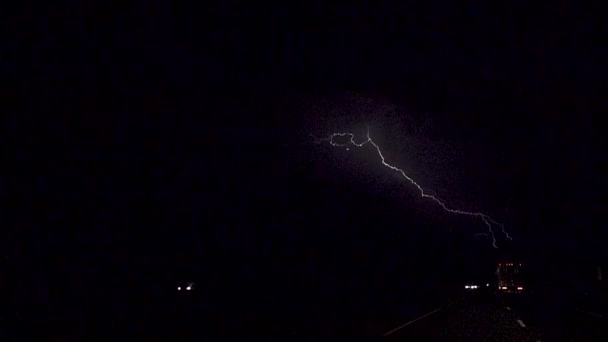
(472, 317)
(495, 318)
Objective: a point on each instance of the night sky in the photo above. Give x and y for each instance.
(158, 142)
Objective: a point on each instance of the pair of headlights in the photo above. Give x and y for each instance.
(188, 287)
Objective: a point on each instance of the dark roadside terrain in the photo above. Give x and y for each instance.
(312, 271)
(240, 311)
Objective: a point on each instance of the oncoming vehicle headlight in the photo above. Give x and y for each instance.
(188, 287)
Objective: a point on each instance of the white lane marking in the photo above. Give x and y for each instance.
(592, 314)
(521, 323)
(508, 308)
(410, 322)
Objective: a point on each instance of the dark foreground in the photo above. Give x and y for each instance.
(482, 317)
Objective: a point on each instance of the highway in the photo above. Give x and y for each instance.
(489, 317)
(465, 316)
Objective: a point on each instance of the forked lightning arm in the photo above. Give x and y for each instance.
(351, 142)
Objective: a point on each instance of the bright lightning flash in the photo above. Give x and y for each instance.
(489, 222)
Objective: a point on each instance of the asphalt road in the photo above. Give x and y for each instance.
(488, 317)
(467, 317)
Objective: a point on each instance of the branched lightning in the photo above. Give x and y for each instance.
(486, 219)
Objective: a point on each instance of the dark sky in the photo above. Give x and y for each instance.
(168, 134)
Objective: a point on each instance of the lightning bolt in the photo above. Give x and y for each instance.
(486, 219)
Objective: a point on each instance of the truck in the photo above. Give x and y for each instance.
(509, 278)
